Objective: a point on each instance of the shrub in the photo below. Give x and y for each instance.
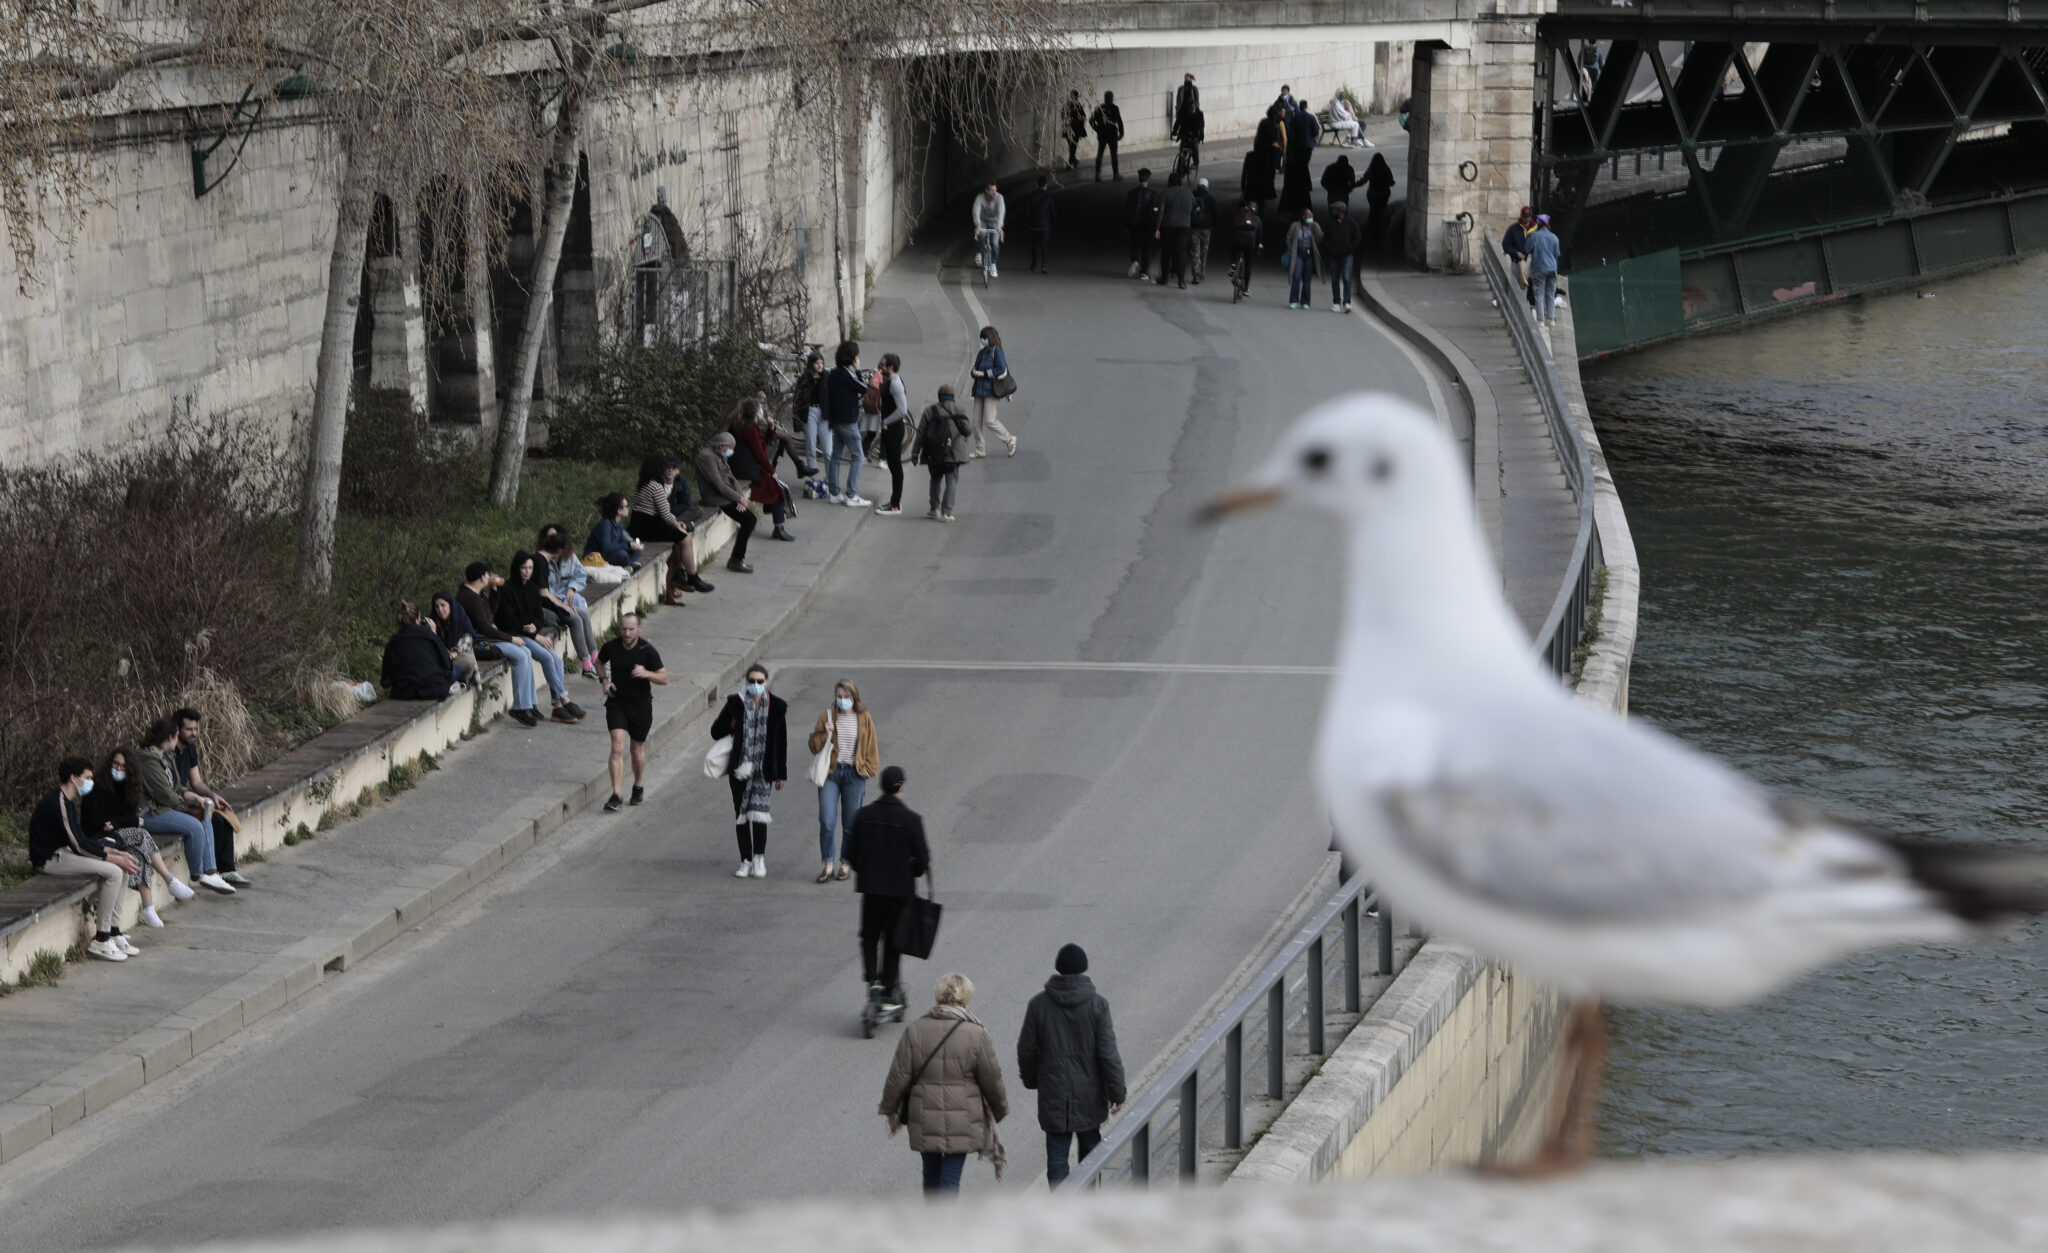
(666, 397)
(146, 579)
(393, 465)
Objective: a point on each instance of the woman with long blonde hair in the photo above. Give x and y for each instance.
(855, 757)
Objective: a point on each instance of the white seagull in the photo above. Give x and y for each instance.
(1598, 855)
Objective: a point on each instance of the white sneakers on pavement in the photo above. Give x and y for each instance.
(760, 867)
(106, 950)
(126, 945)
(858, 502)
(746, 868)
(1013, 446)
(216, 883)
(180, 891)
(149, 918)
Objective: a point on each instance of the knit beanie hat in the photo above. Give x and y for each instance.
(1071, 961)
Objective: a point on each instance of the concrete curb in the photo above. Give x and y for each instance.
(1304, 1143)
(1604, 679)
(154, 1053)
(1471, 384)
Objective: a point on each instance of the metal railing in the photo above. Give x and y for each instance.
(1558, 641)
(1200, 1097)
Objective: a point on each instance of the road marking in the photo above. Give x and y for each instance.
(1422, 367)
(1081, 667)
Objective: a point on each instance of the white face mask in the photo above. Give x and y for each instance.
(725, 452)
(120, 776)
(756, 689)
(984, 343)
(85, 787)
(845, 704)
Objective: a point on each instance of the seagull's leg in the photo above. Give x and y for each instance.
(1574, 1103)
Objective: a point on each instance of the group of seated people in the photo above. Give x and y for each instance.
(102, 822)
(517, 617)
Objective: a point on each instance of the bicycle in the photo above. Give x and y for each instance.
(1241, 275)
(1186, 162)
(986, 240)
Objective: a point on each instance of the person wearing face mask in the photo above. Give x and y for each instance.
(757, 721)
(723, 492)
(846, 735)
(990, 364)
(112, 811)
(58, 844)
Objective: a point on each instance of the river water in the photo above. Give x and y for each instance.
(1842, 519)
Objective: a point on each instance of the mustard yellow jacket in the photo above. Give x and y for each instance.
(867, 756)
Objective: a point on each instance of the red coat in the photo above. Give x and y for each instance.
(766, 490)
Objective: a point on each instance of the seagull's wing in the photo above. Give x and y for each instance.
(1563, 810)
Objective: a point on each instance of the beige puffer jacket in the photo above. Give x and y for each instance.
(946, 1105)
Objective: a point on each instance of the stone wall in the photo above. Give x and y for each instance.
(1473, 115)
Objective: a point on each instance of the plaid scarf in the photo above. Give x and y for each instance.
(754, 749)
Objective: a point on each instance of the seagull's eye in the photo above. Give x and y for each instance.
(1316, 460)
(1381, 469)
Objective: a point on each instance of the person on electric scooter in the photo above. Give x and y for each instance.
(887, 851)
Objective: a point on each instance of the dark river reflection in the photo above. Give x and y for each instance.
(1842, 519)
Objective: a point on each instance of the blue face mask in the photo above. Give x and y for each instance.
(85, 787)
(845, 704)
(120, 776)
(725, 452)
(757, 689)
(984, 343)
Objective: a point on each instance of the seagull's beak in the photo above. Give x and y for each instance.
(1239, 500)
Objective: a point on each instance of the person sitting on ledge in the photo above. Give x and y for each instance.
(609, 539)
(562, 589)
(166, 802)
(59, 845)
(519, 616)
(656, 521)
(456, 633)
(477, 598)
(112, 811)
(723, 492)
(417, 665)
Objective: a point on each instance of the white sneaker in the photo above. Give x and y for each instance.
(746, 868)
(126, 945)
(760, 867)
(149, 917)
(217, 883)
(180, 891)
(1335, 307)
(858, 502)
(106, 950)
(835, 498)
(992, 272)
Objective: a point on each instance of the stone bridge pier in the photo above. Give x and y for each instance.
(1471, 131)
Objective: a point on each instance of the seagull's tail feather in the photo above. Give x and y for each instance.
(1977, 883)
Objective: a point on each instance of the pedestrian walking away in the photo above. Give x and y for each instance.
(723, 492)
(1076, 128)
(945, 1086)
(1247, 241)
(1038, 215)
(1202, 221)
(887, 851)
(631, 670)
(58, 844)
(844, 387)
(1108, 124)
(1176, 218)
(845, 741)
(1304, 243)
(1141, 221)
(1514, 244)
(1379, 185)
(895, 429)
(1544, 247)
(945, 440)
(757, 721)
(1067, 1051)
(1339, 180)
(991, 368)
(1269, 151)
(988, 213)
(1340, 248)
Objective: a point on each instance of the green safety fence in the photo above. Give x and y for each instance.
(1614, 306)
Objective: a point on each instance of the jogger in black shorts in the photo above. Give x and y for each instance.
(630, 668)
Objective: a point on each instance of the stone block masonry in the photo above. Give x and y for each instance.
(1470, 135)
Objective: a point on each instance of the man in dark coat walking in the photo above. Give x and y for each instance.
(888, 852)
(1067, 1051)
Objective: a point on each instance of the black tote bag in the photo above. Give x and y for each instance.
(917, 927)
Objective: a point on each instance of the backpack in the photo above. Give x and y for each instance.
(935, 436)
(1247, 222)
(871, 400)
(1203, 216)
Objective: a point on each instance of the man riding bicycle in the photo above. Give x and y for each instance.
(1246, 230)
(988, 214)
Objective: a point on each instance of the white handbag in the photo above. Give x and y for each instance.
(821, 765)
(719, 759)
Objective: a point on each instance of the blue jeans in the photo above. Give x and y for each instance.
(838, 801)
(1340, 280)
(817, 437)
(198, 840)
(520, 672)
(942, 1171)
(1056, 1145)
(845, 439)
(1543, 286)
(1301, 283)
(550, 665)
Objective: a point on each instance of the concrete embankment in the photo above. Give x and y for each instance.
(1456, 1062)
